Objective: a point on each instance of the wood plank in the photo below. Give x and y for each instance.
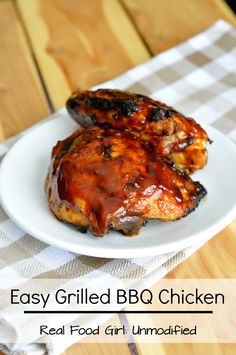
(165, 23)
(81, 43)
(98, 349)
(186, 349)
(2, 137)
(215, 260)
(22, 98)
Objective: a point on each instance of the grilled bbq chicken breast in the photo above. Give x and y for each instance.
(172, 134)
(102, 179)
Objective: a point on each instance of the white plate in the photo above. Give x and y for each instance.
(22, 176)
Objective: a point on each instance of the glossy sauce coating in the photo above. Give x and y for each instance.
(105, 179)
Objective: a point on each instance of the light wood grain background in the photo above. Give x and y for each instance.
(50, 47)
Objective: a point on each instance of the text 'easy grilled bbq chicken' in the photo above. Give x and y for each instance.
(174, 136)
(103, 178)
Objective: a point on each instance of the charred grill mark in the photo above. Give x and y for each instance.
(172, 164)
(66, 148)
(200, 193)
(168, 113)
(145, 221)
(190, 141)
(72, 104)
(106, 151)
(129, 225)
(155, 115)
(81, 229)
(126, 106)
(142, 97)
(98, 103)
(159, 114)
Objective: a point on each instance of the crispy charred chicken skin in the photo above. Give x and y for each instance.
(102, 179)
(173, 135)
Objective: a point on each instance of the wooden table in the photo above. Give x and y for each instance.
(50, 47)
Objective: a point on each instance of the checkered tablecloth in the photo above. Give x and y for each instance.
(198, 78)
